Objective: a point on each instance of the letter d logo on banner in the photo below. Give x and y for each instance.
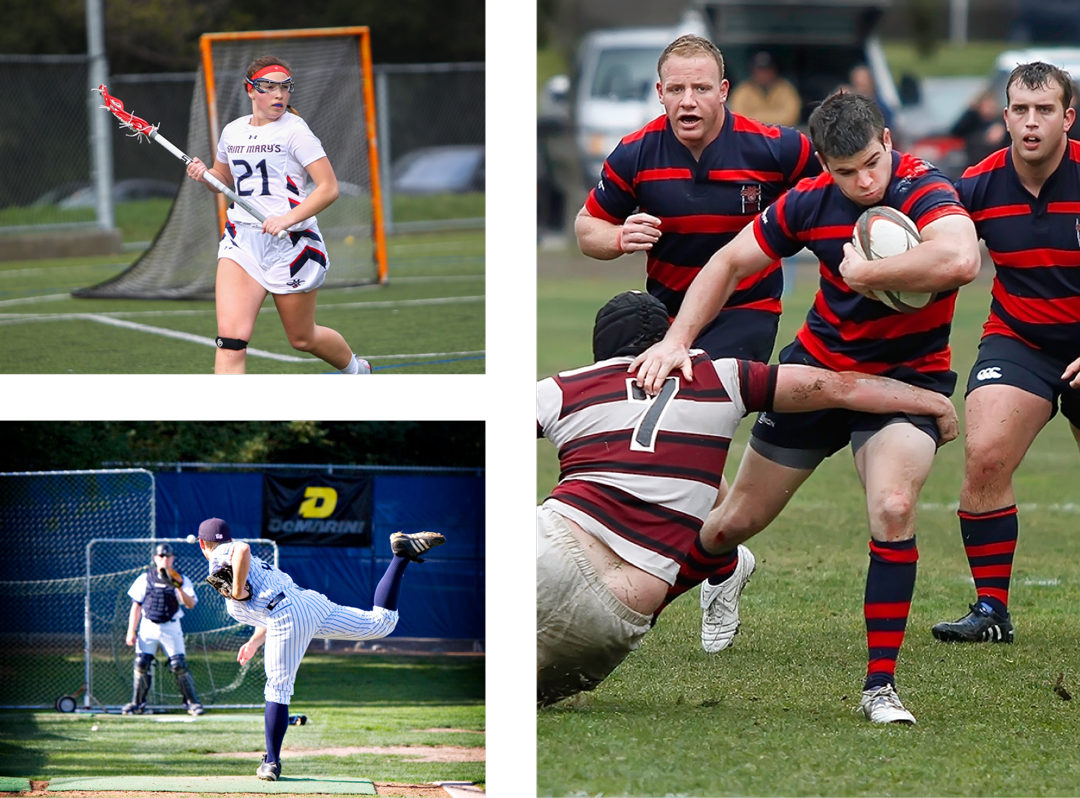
(318, 502)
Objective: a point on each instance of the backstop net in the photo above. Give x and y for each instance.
(78, 540)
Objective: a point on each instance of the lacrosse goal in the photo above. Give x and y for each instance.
(335, 95)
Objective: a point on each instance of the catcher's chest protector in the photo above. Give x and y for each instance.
(160, 603)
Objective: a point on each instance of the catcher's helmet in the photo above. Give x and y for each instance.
(163, 550)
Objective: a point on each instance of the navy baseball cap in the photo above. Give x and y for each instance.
(163, 550)
(214, 530)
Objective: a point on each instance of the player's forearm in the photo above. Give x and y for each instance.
(873, 394)
(241, 562)
(314, 203)
(597, 238)
(940, 264)
(133, 619)
(188, 601)
(258, 638)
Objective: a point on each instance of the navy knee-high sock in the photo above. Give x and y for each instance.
(386, 592)
(890, 584)
(276, 724)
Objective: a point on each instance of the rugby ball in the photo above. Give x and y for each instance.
(882, 232)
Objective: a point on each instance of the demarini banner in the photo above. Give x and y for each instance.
(317, 510)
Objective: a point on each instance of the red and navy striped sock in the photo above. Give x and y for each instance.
(723, 565)
(890, 584)
(990, 543)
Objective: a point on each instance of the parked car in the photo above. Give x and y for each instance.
(947, 152)
(81, 194)
(449, 169)
(612, 91)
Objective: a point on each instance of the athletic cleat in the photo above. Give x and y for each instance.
(362, 366)
(412, 546)
(133, 709)
(883, 706)
(720, 605)
(194, 708)
(981, 625)
(269, 771)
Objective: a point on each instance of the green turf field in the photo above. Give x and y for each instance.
(429, 319)
(370, 701)
(774, 715)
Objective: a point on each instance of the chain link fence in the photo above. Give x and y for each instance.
(430, 129)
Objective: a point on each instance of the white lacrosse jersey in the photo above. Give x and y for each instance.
(266, 582)
(642, 472)
(267, 164)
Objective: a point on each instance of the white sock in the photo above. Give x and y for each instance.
(353, 367)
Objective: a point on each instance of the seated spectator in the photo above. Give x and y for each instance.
(766, 96)
(982, 127)
(861, 80)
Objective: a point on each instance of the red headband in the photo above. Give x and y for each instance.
(266, 70)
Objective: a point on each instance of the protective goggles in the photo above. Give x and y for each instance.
(263, 86)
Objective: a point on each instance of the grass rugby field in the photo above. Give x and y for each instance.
(774, 715)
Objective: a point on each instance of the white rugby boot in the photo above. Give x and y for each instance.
(883, 706)
(720, 604)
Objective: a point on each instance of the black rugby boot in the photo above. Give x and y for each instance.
(981, 625)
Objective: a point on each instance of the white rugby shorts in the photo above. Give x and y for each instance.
(293, 265)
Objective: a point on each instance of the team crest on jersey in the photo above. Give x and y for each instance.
(294, 283)
(750, 195)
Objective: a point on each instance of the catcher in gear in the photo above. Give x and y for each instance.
(287, 618)
(158, 599)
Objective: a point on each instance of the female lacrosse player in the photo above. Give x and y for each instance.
(267, 158)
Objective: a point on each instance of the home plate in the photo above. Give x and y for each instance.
(334, 785)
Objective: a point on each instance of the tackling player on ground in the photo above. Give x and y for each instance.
(617, 540)
(158, 598)
(286, 617)
(267, 158)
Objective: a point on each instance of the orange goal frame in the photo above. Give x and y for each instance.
(206, 42)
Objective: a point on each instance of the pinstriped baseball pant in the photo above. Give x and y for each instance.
(304, 615)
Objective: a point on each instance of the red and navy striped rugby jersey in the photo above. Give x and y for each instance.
(845, 331)
(702, 203)
(641, 473)
(1035, 246)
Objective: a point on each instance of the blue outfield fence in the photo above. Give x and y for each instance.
(443, 597)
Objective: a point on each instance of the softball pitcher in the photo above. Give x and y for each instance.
(287, 617)
(158, 598)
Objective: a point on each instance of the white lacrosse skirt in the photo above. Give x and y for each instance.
(293, 265)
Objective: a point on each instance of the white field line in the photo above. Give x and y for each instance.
(448, 278)
(951, 507)
(199, 339)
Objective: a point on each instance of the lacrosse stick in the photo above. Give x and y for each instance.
(143, 128)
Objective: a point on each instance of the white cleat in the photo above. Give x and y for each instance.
(362, 366)
(720, 605)
(883, 706)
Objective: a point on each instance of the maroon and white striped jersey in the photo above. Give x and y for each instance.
(641, 473)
